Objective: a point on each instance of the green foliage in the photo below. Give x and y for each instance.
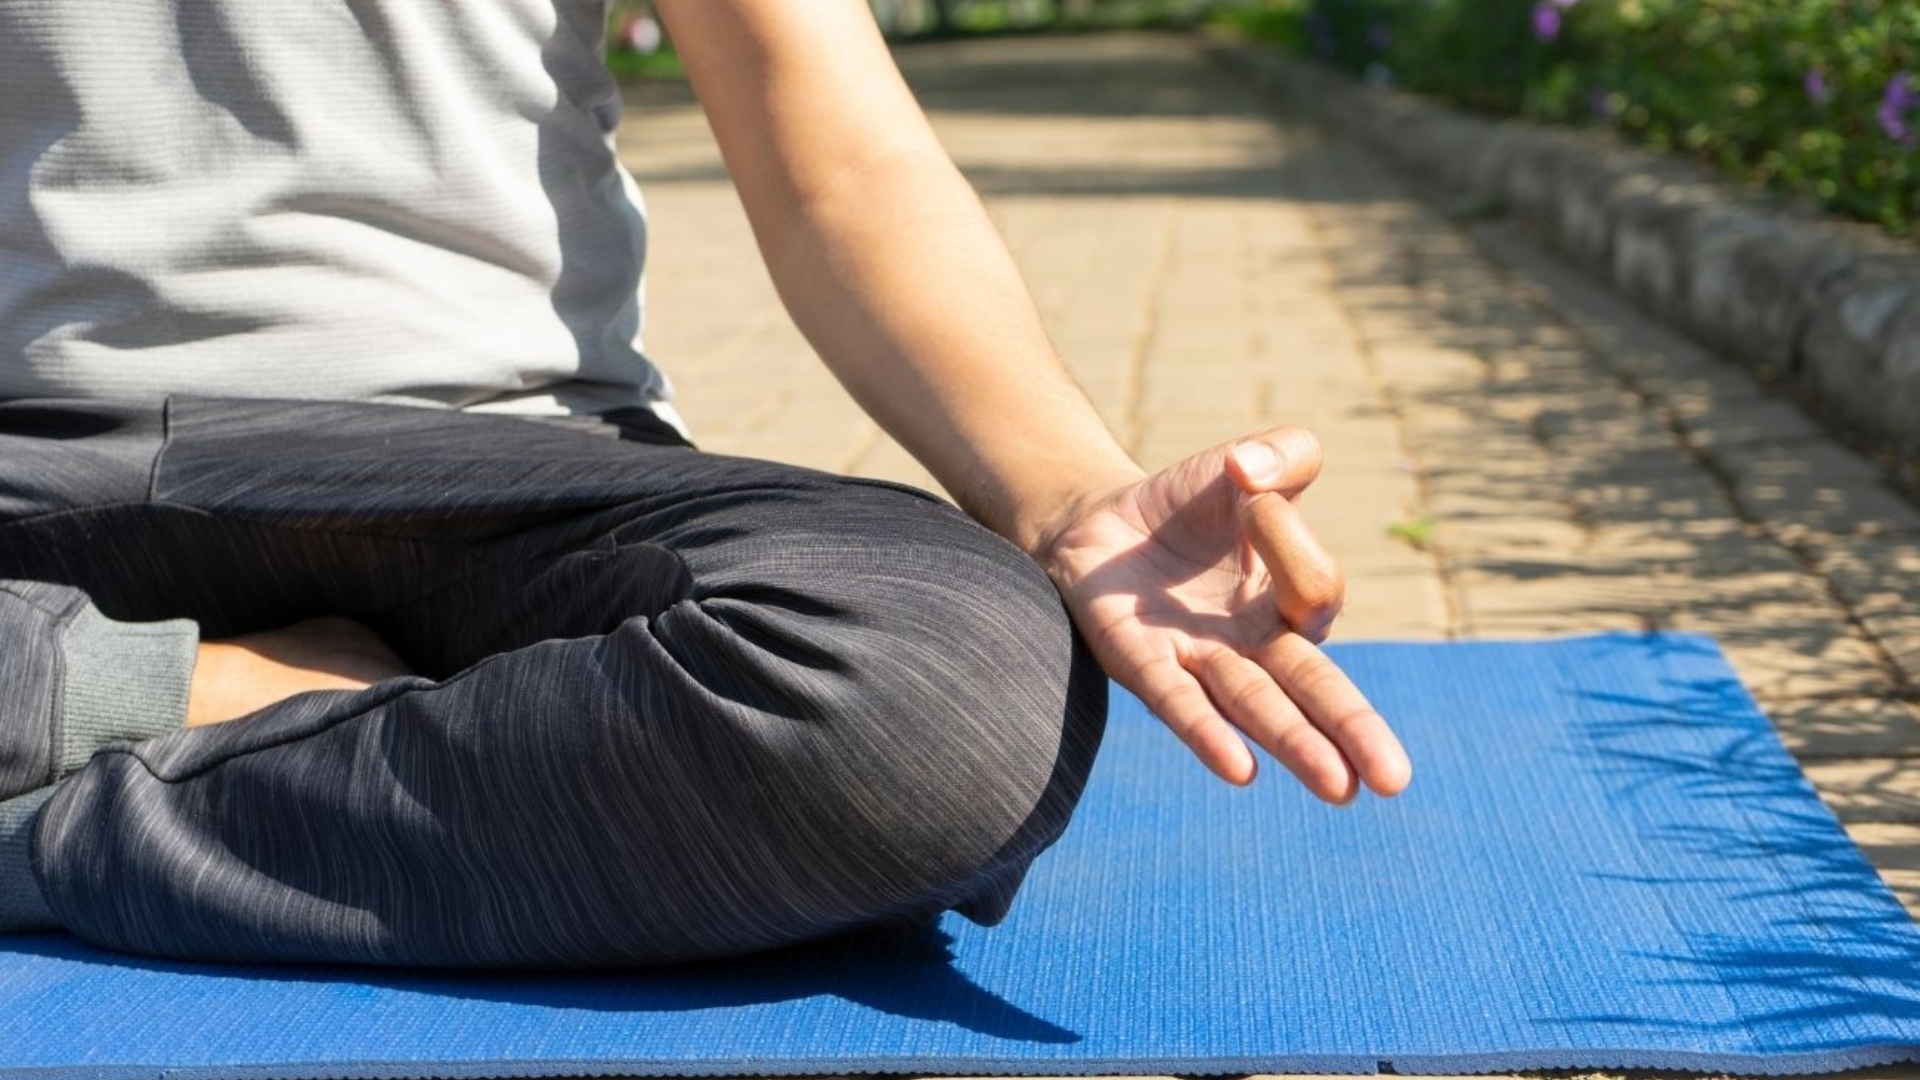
(627, 64)
(1809, 96)
(1414, 532)
(1282, 22)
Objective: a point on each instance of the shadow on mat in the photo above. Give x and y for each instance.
(1848, 951)
(899, 971)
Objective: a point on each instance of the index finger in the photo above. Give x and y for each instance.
(1308, 585)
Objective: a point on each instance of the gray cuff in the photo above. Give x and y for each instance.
(22, 907)
(124, 682)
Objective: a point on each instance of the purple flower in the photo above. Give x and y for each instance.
(1894, 124)
(1899, 100)
(1546, 20)
(1900, 92)
(1379, 35)
(1817, 90)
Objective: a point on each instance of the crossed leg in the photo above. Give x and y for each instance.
(665, 705)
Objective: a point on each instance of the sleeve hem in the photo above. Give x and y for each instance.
(125, 682)
(23, 906)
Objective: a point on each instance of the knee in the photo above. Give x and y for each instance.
(945, 714)
(987, 709)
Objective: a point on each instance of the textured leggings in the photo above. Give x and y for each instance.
(668, 704)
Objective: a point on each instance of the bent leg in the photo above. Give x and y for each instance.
(671, 705)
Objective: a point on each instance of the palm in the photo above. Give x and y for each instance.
(1173, 575)
(1169, 582)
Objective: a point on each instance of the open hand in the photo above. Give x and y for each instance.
(1201, 590)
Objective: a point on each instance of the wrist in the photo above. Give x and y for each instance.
(1042, 531)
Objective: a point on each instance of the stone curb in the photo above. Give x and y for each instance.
(1829, 308)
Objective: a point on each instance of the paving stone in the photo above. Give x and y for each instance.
(1383, 605)
(1879, 578)
(1697, 387)
(1098, 348)
(1424, 368)
(1284, 392)
(1728, 427)
(1814, 491)
(1781, 648)
(1716, 547)
(1347, 489)
(1462, 437)
(1202, 406)
(1539, 613)
(1602, 424)
(1456, 499)
(1629, 489)
(1779, 625)
(1372, 548)
(1164, 441)
(1553, 594)
(1894, 850)
(1358, 450)
(1476, 542)
(1869, 789)
(1817, 728)
(1769, 624)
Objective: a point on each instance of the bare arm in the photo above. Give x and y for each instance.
(888, 262)
(1199, 588)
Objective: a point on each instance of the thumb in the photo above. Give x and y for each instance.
(1283, 460)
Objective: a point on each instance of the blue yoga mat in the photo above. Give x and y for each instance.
(1606, 859)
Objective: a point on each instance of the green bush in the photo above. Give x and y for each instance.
(1811, 96)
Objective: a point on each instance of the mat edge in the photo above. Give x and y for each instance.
(1796, 1064)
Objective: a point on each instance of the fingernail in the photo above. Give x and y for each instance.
(1258, 461)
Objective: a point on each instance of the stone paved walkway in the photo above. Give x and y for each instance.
(1209, 267)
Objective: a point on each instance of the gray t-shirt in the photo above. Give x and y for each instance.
(407, 201)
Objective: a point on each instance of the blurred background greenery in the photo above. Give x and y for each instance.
(1813, 97)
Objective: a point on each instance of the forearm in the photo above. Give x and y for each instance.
(938, 340)
(887, 261)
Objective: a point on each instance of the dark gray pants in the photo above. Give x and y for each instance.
(669, 704)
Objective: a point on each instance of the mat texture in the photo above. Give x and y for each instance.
(1606, 859)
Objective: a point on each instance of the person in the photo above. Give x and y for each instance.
(365, 601)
